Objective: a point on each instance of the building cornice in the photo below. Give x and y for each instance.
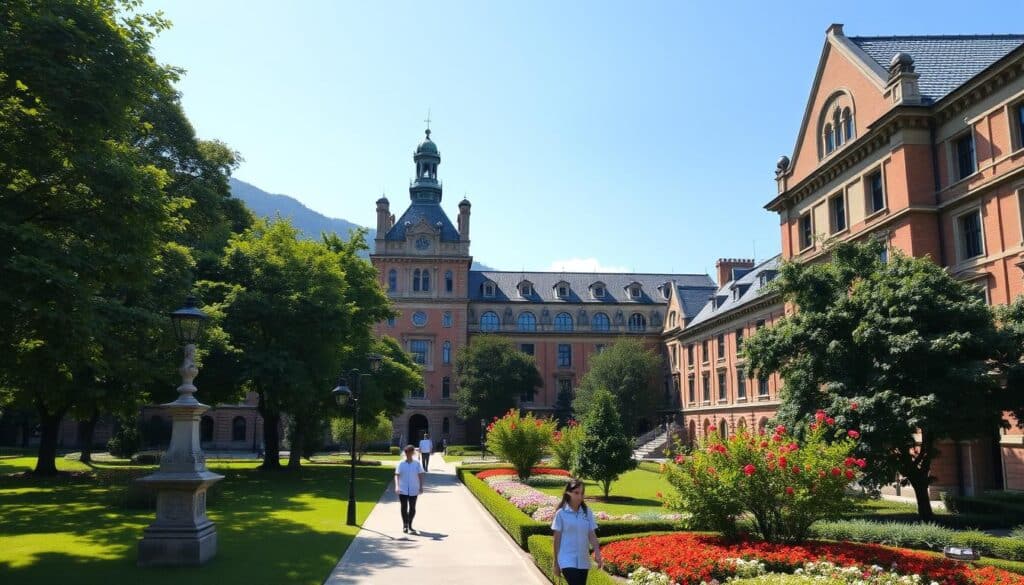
(760, 304)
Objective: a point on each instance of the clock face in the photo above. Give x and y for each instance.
(422, 243)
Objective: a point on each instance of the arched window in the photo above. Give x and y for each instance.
(206, 429)
(446, 319)
(392, 280)
(707, 425)
(761, 425)
(449, 281)
(563, 322)
(446, 352)
(238, 429)
(723, 429)
(672, 319)
(692, 435)
(741, 426)
(830, 139)
(527, 322)
(837, 124)
(425, 280)
(489, 321)
(600, 322)
(847, 124)
(416, 280)
(637, 322)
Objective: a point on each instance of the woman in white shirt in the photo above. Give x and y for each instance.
(574, 527)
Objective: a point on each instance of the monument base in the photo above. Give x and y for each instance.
(176, 546)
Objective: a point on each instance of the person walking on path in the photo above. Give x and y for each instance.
(409, 485)
(426, 446)
(574, 526)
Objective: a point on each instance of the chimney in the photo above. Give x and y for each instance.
(464, 206)
(724, 267)
(384, 218)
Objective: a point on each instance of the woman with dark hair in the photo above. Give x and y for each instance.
(574, 527)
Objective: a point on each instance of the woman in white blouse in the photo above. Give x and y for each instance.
(574, 527)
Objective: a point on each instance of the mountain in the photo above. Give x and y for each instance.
(309, 222)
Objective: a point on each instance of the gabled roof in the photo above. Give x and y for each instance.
(579, 282)
(428, 212)
(751, 280)
(944, 62)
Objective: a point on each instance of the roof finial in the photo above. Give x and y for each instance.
(428, 123)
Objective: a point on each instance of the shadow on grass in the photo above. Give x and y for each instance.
(273, 527)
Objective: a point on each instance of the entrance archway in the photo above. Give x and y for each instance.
(417, 426)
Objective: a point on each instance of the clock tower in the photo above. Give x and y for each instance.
(423, 261)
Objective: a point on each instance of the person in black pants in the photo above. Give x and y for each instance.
(573, 527)
(409, 485)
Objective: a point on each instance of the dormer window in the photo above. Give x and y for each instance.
(597, 290)
(489, 289)
(635, 291)
(525, 289)
(562, 289)
(736, 294)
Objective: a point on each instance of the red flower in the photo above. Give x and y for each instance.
(539, 422)
(849, 462)
(513, 426)
(777, 438)
(821, 473)
(680, 459)
(830, 421)
(853, 406)
(796, 469)
(764, 444)
(782, 461)
(712, 470)
(820, 415)
(849, 474)
(780, 430)
(749, 469)
(658, 495)
(836, 471)
(814, 426)
(789, 491)
(712, 428)
(861, 463)
(853, 434)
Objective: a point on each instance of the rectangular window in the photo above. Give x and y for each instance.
(446, 387)
(741, 385)
(876, 192)
(963, 148)
(1019, 119)
(446, 319)
(837, 213)
(675, 355)
(565, 386)
(721, 346)
(705, 381)
(417, 393)
(419, 348)
(759, 324)
(806, 231)
(564, 355)
(970, 235)
(689, 351)
(704, 354)
(691, 390)
(527, 396)
(762, 388)
(739, 340)
(721, 386)
(526, 348)
(598, 347)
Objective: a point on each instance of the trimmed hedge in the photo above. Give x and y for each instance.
(542, 549)
(462, 449)
(1011, 566)
(919, 536)
(649, 466)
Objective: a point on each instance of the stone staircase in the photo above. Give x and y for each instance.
(649, 444)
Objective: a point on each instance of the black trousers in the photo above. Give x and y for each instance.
(408, 504)
(575, 576)
(425, 457)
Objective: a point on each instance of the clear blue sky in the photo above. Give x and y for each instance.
(641, 136)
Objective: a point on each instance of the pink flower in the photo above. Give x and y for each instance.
(780, 430)
(712, 428)
(853, 406)
(820, 415)
(749, 469)
(830, 421)
(853, 434)
(813, 426)
(680, 459)
(777, 438)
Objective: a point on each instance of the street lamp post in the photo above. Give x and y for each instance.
(182, 534)
(343, 394)
(483, 439)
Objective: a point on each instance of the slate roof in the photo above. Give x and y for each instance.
(749, 285)
(579, 283)
(944, 62)
(429, 211)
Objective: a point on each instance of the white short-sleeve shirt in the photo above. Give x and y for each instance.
(426, 446)
(574, 551)
(408, 473)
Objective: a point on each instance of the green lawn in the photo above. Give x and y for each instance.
(640, 484)
(272, 527)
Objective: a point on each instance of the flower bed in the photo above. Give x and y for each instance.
(533, 471)
(541, 506)
(694, 558)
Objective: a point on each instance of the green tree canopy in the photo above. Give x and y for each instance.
(492, 375)
(606, 452)
(889, 349)
(377, 430)
(627, 369)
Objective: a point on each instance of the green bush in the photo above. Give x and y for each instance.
(1002, 507)
(147, 457)
(125, 441)
(1011, 566)
(394, 450)
(542, 549)
(566, 446)
(925, 536)
(605, 452)
(463, 449)
(784, 485)
(651, 466)
(520, 440)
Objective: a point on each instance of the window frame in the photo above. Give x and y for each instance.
(763, 389)
(446, 319)
(605, 322)
(559, 323)
(961, 242)
(532, 346)
(392, 280)
(869, 192)
(956, 142)
(636, 323)
(531, 325)
(723, 390)
(564, 355)
(446, 388)
(836, 208)
(739, 340)
(705, 379)
(720, 347)
(1017, 121)
(489, 289)
(490, 327)
(741, 385)
(415, 353)
(449, 281)
(691, 382)
(807, 233)
(446, 353)
(705, 355)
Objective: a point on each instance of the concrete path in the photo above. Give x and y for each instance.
(458, 542)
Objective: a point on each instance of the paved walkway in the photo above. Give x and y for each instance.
(458, 542)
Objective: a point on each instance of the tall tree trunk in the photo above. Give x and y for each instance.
(46, 460)
(919, 481)
(271, 441)
(86, 431)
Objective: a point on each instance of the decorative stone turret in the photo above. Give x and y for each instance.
(464, 206)
(384, 217)
(902, 87)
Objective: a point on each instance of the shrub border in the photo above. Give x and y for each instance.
(997, 547)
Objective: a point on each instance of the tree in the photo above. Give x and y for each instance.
(563, 406)
(628, 370)
(492, 375)
(894, 348)
(376, 431)
(606, 452)
(1010, 353)
(82, 206)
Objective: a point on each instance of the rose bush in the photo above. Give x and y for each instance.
(786, 486)
(566, 446)
(520, 440)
